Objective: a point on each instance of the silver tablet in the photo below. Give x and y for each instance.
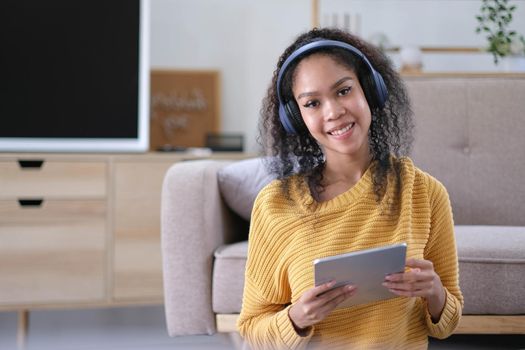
(365, 269)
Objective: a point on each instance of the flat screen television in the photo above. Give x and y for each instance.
(74, 76)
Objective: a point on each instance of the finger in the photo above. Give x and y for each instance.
(411, 276)
(419, 263)
(395, 277)
(402, 277)
(314, 292)
(339, 291)
(408, 293)
(334, 293)
(331, 304)
(318, 308)
(422, 286)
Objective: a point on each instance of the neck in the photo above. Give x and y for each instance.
(345, 170)
(341, 174)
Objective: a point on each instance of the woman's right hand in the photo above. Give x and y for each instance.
(316, 303)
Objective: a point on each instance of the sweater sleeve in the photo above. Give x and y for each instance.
(264, 322)
(441, 250)
(265, 325)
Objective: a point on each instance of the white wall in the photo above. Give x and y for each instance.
(434, 23)
(243, 39)
(240, 38)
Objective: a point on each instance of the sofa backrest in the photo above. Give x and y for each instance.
(470, 135)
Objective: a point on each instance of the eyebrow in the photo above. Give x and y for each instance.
(336, 84)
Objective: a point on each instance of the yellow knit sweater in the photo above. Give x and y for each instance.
(287, 235)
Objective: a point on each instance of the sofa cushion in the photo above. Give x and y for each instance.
(482, 140)
(491, 265)
(228, 277)
(240, 182)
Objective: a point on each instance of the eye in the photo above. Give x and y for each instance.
(311, 104)
(344, 91)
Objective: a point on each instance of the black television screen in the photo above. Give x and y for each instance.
(74, 75)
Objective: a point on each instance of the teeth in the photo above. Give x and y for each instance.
(341, 131)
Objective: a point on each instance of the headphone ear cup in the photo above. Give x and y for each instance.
(295, 117)
(285, 120)
(375, 90)
(380, 89)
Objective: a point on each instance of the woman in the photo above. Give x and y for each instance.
(337, 122)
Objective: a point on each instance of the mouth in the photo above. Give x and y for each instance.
(341, 131)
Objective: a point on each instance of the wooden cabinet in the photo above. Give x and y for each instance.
(137, 259)
(38, 177)
(52, 253)
(82, 230)
(53, 231)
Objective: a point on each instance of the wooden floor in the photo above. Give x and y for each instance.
(144, 328)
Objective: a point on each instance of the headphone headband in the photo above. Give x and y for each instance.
(288, 111)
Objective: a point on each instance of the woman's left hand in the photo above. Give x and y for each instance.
(419, 281)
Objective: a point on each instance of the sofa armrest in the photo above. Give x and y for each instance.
(194, 222)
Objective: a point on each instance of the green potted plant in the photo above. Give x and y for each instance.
(494, 20)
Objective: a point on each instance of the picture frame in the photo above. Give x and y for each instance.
(185, 107)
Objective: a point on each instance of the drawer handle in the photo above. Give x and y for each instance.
(30, 202)
(30, 164)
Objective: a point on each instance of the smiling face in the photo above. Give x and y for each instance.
(333, 107)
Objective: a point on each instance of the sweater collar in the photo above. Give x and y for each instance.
(303, 196)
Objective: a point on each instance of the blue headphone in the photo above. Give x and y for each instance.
(289, 113)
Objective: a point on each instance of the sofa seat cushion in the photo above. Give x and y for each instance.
(491, 265)
(228, 278)
(492, 268)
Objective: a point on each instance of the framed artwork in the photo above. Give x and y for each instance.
(185, 107)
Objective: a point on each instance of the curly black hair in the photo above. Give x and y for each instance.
(390, 130)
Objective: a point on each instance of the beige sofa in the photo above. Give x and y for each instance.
(470, 134)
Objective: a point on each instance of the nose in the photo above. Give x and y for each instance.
(333, 109)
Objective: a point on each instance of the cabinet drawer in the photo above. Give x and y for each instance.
(54, 253)
(52, 179)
